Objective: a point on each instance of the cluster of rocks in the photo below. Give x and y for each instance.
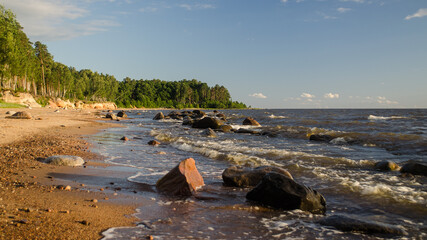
(411, 167)
(113, 116)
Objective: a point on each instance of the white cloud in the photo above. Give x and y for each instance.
(307, 95)
(257, 95)
(422, 12)
(198, 6)
(343, 10)
(331, 95)
(49, 20)
(385, 101)
(356, 1)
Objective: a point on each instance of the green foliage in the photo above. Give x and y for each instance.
(30, 68)
(10, 105)
(43, 101)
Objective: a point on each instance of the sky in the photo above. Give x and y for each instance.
(267, 53)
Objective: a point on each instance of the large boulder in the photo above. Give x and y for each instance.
(414, 168)
(64, 160)
(279, 191)
(238, 176)
(182, 180)
(386, 166)
(21, 115)
(250, 121)
(348, 224)
(207, 122)
(111, 116)
(159, 116)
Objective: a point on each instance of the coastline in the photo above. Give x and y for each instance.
(33, 204)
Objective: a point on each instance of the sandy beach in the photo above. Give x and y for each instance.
(35, 202)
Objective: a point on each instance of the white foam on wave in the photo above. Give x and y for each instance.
(373, 117)
(276, 117)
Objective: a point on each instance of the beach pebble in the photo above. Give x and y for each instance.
(64, 160)
(67, 188)
(94, 200)
(124, 138)
(153, 143)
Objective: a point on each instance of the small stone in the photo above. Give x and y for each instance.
(153, 143)
(66, 211)
(101, 189)
(67, 188)
(106, 198)
(124, 138)
(95, 200)
(149, 237)
(82, 185)
(84, 222)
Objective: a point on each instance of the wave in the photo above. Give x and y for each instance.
(373, 117)
(276, 117)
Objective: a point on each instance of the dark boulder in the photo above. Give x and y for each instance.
(279, 191)
(187, 121)
(250, 121)
(226, 128)
(159, 116)
(238, 176)
(175, 115)
(321, 137)
(414, 168)
(122, 114)
(207, 122)
(182, 180)
(386, 166)
(221, 116)
(348, 224)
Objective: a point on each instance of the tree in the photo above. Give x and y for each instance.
(46, 60)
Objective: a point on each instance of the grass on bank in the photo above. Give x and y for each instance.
(10, 105)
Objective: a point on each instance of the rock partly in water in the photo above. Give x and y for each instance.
(124, 138)
(321, 137)
(226, 128)
(209, 133)
(182, 180)
(153, 143)
(279, 191)
(21, 115)
(250, 121)
(348, 224)
(65, 160)
(159, 116)
(207, 122)
(386, 166)
(246, 130)
(122, 114)
(111, 116)
(238, 176)
(414, 168)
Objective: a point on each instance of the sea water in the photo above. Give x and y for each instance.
(342, 170)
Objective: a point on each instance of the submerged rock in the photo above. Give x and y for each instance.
(207, 122)
(153, 143)
(238, 176)
(21, 115)
(226, 128)
(386, 166)
(245, 130)
(348, 224)
(279, 191)
(414, 168)
(321, 138)
(159, 116)
(182, 180)
(250, 121)
(64, 160)
(210, 133)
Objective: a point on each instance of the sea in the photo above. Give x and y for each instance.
(342, 170)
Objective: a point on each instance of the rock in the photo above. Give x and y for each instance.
(153, 143)
(226, 128)
(124, 138)
(321, 138)
(122, 114)
(221, 116)
(238, 176)
(245, 130)
(175, 115)
(112, 116)
(414, 168)
(210, 133)
(386, 166)
(21, 115)
(65, 160)
(208, 122)
(10, 112)
(159, 116)
(250, 121)
(348, 224)
(279, 191)
(183, 180)
(199, 113)
(187, 121)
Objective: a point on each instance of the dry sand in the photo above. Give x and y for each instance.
(33, 204)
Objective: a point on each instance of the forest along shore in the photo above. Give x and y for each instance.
(35, 203)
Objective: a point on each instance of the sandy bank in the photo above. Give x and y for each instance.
(33, 205)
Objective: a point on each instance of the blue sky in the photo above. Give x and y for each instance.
(268, 53)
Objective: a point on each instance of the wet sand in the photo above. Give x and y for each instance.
(33, 201)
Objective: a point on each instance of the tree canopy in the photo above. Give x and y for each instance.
(29, 67)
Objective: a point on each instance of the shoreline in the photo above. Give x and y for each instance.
(34, 204)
